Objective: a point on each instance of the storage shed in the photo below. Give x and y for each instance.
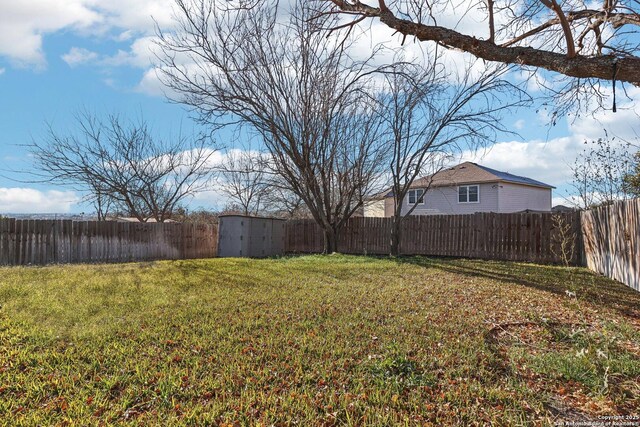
(250, 236)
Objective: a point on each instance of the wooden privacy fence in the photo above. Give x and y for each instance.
(605, 238)
(611, 241)
(534, 237)
(40, 242)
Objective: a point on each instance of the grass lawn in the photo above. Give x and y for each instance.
(313, 340)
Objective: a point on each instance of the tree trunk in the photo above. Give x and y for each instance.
(395, 237)
(330, 241)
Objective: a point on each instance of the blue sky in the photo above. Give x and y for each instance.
(59, 57)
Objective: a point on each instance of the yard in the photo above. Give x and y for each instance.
(315, 340)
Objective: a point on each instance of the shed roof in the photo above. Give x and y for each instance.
(250, 216)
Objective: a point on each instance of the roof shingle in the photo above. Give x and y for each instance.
(472, 173)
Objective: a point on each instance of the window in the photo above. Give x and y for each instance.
(468, 194)
(416, 195)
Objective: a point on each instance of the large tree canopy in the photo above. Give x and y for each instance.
(285, 82)
(575, 38)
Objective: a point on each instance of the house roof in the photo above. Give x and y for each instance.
(472, 173)
(377, 196)
(562, 208)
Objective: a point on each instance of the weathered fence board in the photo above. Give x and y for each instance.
(519, 237)
(41, 242)
(611, 238)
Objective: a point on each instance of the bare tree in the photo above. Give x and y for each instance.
(198, 216)
(431, 115)
(587, 42)
(119, 164)
(244, 179)
(255, 186)
(291, 85)
(282, 202)
(102, 203)
(599, 173)
(563, 242)
(632, 178)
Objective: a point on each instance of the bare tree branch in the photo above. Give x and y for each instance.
(518, 16)
(120, 165)
(244, 179)
(599, 173)
(430, 115)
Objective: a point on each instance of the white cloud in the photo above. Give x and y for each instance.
(141, 54)
(213, 198)
(78, 55)
(151, 84)
(125, 35)
(546, 161)
(519, 124)
(551, 161)
(29, 200)
(138, 16)
(24, 23)
(2, 70)
(625, 123)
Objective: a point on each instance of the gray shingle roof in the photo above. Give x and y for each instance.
(505, 176)
(472, 173)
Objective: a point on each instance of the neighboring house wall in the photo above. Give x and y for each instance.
(517, 198)
(494, 197)
(374, 208)
(444, 200)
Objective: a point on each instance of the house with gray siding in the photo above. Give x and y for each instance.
(469, 188)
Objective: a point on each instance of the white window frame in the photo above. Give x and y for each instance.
(467, 191)
(415, 196)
